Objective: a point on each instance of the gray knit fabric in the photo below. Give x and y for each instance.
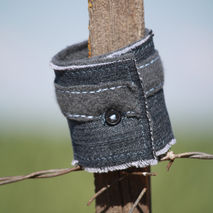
(129, 82)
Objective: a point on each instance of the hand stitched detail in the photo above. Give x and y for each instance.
(88, 116)
(153, 89)
(129, 112)
(91, 92)
(76, 67)
(147, 108)
(151, 62)
(81, 116)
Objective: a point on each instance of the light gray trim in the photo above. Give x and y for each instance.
(105, 59)
(137, 164)
(166, 148)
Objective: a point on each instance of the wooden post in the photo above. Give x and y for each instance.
(114, 24)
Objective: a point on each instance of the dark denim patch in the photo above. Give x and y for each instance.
(114, 105)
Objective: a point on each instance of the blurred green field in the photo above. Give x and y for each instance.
(187, 187)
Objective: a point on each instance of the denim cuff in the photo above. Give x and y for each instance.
(114, 104)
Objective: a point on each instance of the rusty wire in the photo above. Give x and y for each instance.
(40, 174)
(170, 156)
(140, 196)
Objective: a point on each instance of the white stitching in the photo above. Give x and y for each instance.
(151, 62)
(89, 116)
(81, 116)
(116, 53)
(72, 67)
(153, 89)
(90, 92)
(147, 108)
(130, 112)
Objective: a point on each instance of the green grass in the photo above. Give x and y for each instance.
(186, 188)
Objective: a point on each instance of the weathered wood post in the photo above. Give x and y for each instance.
(114, 24)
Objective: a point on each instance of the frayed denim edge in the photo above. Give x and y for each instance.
(137, 164)
(166, 148)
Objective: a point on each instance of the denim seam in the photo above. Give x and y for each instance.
(90, 116)
(128, 112)
(148, 115)
(92, 91)
(81, 116)
(143, 93)
(153, 88)
(71, 67)
(78, 68)
(151, 62)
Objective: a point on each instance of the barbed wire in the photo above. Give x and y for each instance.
(39, 174)
(140, 196)
(170, 156)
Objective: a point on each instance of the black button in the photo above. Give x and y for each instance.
(112, 117)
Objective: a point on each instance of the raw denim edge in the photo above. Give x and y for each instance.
(137, 164)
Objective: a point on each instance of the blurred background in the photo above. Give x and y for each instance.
(34, 134)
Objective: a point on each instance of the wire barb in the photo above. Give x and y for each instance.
(171, 156)
(138, 200)
(104, 189)
(145, 174)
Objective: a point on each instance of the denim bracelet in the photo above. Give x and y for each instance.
(114, 104)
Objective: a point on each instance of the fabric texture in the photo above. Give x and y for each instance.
(129, 82)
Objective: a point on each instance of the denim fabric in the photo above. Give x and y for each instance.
(128, 81)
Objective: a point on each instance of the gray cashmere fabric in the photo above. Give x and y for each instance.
(129, 82)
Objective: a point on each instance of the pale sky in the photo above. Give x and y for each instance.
(32, 32)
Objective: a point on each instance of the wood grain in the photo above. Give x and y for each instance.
(114, 24)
